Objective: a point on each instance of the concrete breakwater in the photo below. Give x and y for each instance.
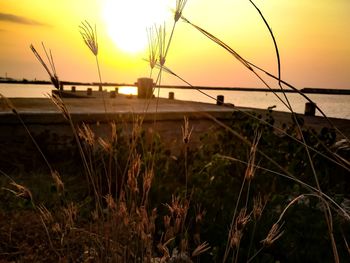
(55, 137)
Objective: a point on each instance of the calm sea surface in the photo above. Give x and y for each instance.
(332, 105)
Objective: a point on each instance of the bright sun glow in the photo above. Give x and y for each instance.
(127, 21)
(127, 90)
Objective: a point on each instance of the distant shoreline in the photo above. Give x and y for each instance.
(108, 84)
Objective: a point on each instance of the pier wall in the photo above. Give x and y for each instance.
(56, 139)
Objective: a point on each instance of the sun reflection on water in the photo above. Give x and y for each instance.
(127, 90)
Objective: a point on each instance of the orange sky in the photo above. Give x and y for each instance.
(313, 38)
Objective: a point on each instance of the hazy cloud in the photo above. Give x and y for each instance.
(20, 20)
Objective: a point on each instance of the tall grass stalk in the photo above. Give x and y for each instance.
(89, 174)
(52, 70)
(63, 109)
(336, 207)
(124, 227)
(90, 39)
(163, 48)
(163, 51)
(248, 176)
(258, 208)
(249, 65)
(326, 208)
(290, 176)
(275, 232)
(89, 36)
(345, 164)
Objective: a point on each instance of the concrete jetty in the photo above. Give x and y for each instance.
(46, 123)
(100, 107)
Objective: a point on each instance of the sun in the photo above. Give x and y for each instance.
(127, 21)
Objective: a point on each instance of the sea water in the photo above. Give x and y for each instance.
(337, 106)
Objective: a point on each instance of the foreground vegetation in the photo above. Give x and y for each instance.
(221, 201)
(250, 192)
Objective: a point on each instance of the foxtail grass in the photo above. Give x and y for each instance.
(89, 35)
(153, 45)
(50, 69)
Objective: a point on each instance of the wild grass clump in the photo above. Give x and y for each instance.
(248, 192)
(219, 202)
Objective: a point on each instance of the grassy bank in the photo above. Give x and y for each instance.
(134, 202)
(250, 191)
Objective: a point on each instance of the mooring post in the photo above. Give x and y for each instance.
(171, 95)
(220, 100)
(310, 109)
(112, 94)
(89, 91)
(144, 88)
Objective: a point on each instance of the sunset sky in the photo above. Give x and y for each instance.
(313, 39)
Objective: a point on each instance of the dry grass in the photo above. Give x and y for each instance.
(89, 36)
(119, 224)
(51, 70)
(153, 45)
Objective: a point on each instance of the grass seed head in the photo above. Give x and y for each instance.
(152, 46)
(106, 146)
(133, 175)
(242, 220)
(202, 248)
(147, 180)
(177, 207)
(56, 228)
(200, 213)
(274, 234)
(45, 214)
(89, 36)
(95, 215)
(50, 67)
(161, 35)
(21, 191)
(235, 238)
(251, 168)
(86, 134)
(186, 131)
(113, 132)
(70, 214)
(58, 182)
(180, 5)
(60, 105)
(258, 207)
